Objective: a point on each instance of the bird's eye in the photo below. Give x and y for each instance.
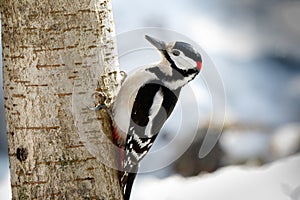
(176, 52)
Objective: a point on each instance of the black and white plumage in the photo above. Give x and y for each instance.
(146, 100)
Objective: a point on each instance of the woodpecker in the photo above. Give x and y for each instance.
(146, 100)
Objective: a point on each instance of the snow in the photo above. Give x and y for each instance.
(286, 140)
(277, 181)
(244, 145)
(5, 189)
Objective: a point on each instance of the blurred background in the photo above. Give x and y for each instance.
(255, 47)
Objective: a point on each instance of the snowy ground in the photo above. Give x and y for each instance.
(277, 181)
(5, 189)
(4, 179)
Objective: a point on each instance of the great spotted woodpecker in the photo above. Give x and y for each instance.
(146, 100)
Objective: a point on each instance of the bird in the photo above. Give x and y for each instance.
(146, 99)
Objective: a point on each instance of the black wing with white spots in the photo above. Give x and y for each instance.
(153, 105)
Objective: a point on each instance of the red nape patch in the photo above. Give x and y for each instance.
(116, 136)
(199, 65)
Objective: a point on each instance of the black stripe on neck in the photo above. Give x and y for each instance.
(184, 73)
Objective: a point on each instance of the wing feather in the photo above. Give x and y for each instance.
(152, 106)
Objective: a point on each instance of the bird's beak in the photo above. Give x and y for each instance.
(160, 45)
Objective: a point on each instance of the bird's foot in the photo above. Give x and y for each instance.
(101, 105)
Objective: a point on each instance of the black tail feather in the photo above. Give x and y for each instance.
(127, 181)
(128, 185)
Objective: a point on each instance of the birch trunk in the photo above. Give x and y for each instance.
(47, 47)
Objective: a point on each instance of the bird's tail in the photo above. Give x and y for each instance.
(127, 180)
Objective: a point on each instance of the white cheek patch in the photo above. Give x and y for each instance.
(183, 62)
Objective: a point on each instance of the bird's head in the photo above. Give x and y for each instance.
(182, 56)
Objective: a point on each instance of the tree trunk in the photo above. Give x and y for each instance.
(49, 48)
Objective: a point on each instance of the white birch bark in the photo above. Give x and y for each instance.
(48, 47)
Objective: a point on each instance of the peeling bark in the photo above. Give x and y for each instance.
(47, 47)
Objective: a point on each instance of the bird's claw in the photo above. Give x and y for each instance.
(101, 103)
(98, 107)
